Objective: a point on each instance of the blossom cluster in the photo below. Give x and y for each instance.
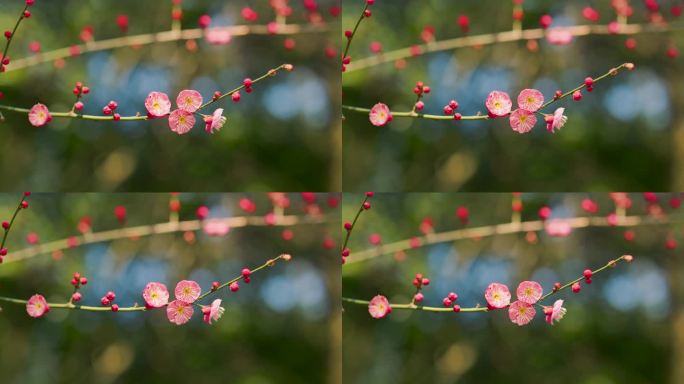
(497, 295)
(179, 311)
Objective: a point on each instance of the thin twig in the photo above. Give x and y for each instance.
(501, 37)
(158, 37)
(154, 229)
(497, 229)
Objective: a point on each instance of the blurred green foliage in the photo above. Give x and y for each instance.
(620, 329)
(280, 137)
(622, 136)
(278, 328)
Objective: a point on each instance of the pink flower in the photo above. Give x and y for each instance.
(179, 312)
(216, 228)
(39, 115)
(498, 104)
(522, 121)
(380, 115)
(218, 36)
(379, 307)
(556, 121)
(189, 100)
(156, 295)
(187, 291)
(529, 292)
(497, 295)
(181, 121)
(559, 36)
(530, 99)
(215, 122)
(558, 228)
(37, 306)
(521, 313)
(157, 104)
(555, 313)
(213, 312)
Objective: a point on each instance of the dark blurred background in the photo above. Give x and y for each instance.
(626, 135)
(280, 137)
(626, 327)
(282, 327)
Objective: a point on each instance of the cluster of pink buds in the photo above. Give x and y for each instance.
(77, 280)
(109, 109)
(449, 301)
(450, 109)
(108, 300)
(420, 90)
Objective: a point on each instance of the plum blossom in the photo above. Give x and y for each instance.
(555, 313)
(379, 307)
(558, 228)
(214, 122)
(522, 121)
(156, 295)
(213, 312)
(216, 228)
(498, 104)
(497, 295)
(556, 121)
(189, 100)
(529, 292)
(158, 104)
(559, 36)
(179, 312)
(530, 100)
(181, 121)
(218, 36)
(380, 115)
(39, 115)
(37, 306)
(521, 313)
(187, 291)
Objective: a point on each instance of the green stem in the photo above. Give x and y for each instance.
(268, 263)
(613, 71)
(270, 73)
(418, 115)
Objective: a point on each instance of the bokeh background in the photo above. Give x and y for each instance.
(626, 135)
(283, 136)
(626, 327)
(282, 327)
